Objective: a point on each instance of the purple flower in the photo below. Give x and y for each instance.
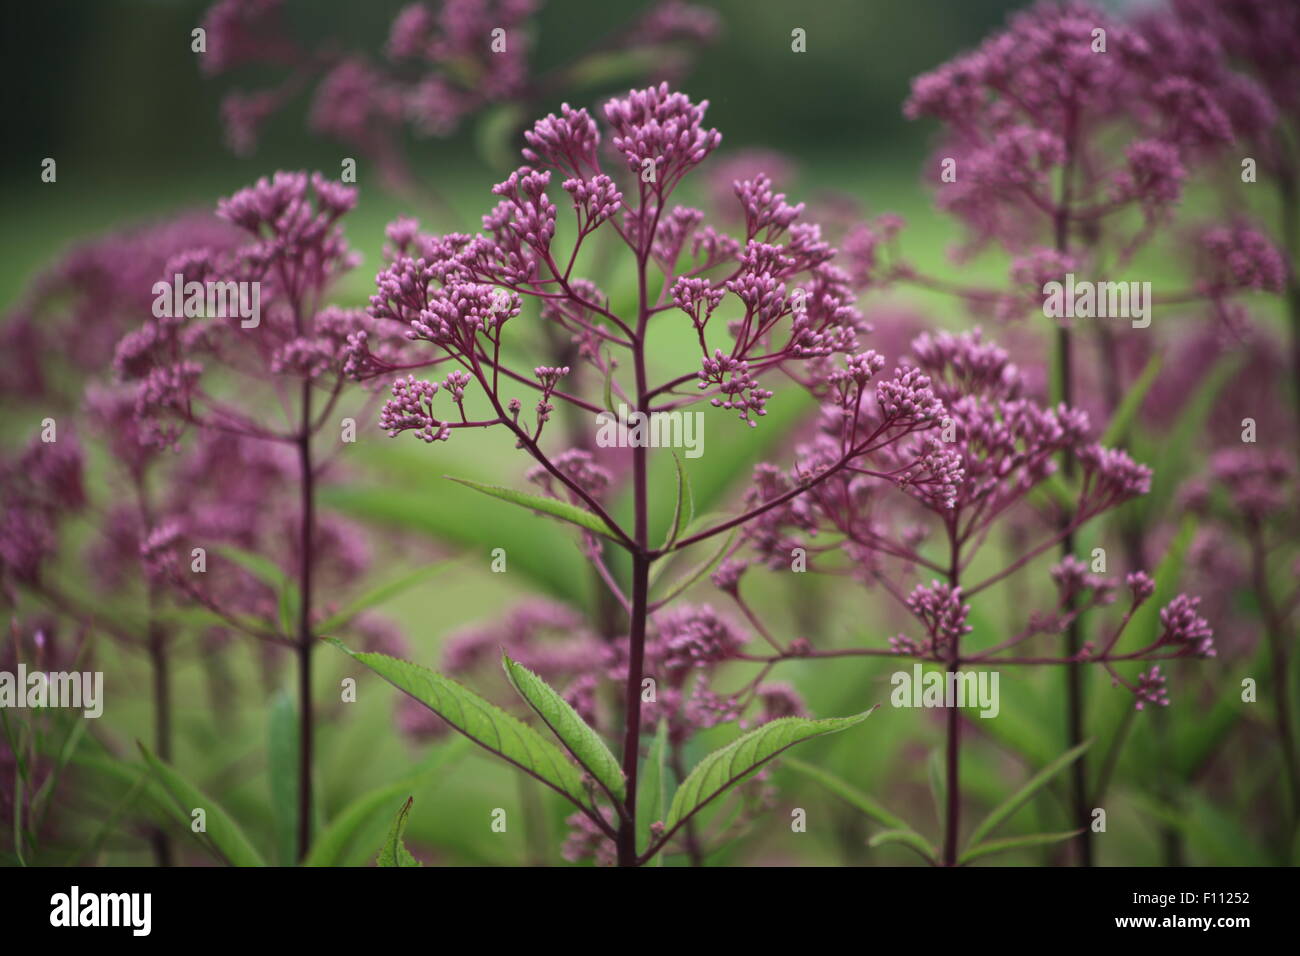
(1184, 627)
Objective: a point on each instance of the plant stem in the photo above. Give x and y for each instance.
(156, 640)
(952, 816)
(1073, 635)
(307, 508)
(1274, 627)
(162, 710)
(1290, 227)
(627, 851)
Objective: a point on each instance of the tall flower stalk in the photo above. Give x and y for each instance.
(1031, 121)
(199, 370)
(791, 306)
(1000, 455)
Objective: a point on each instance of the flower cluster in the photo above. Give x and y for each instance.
(442, 63)
(268, 320)
(38, 488)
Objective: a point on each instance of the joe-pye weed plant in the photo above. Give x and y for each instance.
(768, 301)
(1069, 139)
(1000, 448)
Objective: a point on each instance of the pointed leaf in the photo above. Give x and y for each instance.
(684, 508)
(378, 596)
(908, 838)
(481, 721)
(1008, 844)
(578, 738)
(848, 793)
(469, 521)
(721, 769)
(549, 506)
(609, 385)
(394, 851)
(223, 835)
(282, 757)
(689, 579)
(1018, 799)
(650, 792)
(328, 848)
(1122, 420)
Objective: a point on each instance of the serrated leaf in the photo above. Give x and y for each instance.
(1009, 806)
(223, 835)
(378, 596)
(394, 851)
(1008, 844)
(651, 792)
(848, 793)
(548, 506)
(729, 765)
(481, 721)
(578, 738)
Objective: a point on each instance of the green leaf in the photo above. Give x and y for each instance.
(616, 67)
(908, 838)
(688, 580)
(1117, 431)
(1008, 844)
(394, 851)
(223, 835)
(729, 460)
(684, 507)
(273, 576)
(259, 566)
(328, 848)
(481, 721)
(1177, 444)
(549, 506)
(379, 595)
(609, 385)
(494, 134)
(283, 767)
(578, 738)
(721, 769)
(651, 792)
(701, 523)
(469, 520)
(1018, 799)
(848, 793)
